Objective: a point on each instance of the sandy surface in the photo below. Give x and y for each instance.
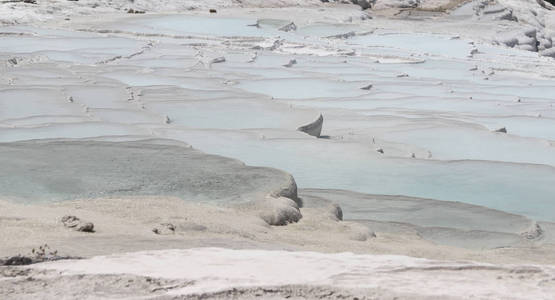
(126, 224)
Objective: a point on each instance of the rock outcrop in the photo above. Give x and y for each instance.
(77, 224)
(537, 28)
(314, 128)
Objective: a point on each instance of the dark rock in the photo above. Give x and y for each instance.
(17, 261)
(135, 11)
(337, 212)
(20, 260)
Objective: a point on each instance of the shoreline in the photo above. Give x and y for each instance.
(204, 225)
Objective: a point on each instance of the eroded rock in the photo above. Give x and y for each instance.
(279, 211)
(535, 232)
(336, 211)
(77, 224)
(85, 227)
(164, 229)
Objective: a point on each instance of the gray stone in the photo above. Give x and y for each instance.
(77, 224)
(164, 229)
(314, 128)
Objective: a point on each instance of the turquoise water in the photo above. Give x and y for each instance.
(516, 188)
(437, 92)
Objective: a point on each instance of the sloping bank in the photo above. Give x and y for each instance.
(58, 170)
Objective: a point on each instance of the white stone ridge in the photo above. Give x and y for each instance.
(14, 12)
(210, 270)
(537, 20)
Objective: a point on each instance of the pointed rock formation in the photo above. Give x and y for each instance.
(502, 130)
(314, 128)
